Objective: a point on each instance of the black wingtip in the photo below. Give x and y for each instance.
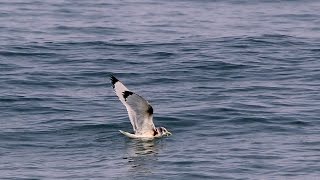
(126, 94)
(113, 80)
(150, 110)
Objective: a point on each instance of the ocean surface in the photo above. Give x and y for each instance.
(237, 83)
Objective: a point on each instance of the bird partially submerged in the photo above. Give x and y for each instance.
(140, 113)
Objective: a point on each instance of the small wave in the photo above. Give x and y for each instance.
(18, 53)
(248, 120)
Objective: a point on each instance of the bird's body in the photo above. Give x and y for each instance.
(140, 113)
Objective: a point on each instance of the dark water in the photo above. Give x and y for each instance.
(237, 82)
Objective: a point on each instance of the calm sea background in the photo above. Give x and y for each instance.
(237, 83)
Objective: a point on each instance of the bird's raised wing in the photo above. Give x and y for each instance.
(139, 110)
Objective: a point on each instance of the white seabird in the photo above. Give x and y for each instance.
(140, 113)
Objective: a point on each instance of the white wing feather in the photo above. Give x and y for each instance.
(143, 113)
(119, 88)
(139, 110)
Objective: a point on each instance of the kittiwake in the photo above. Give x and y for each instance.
(140, 113)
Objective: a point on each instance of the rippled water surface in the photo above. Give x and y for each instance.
(236, 82)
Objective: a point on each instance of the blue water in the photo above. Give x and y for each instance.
(236, 82)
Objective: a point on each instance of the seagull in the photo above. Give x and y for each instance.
(140, 113)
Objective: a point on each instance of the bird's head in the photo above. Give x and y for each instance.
(161, 131)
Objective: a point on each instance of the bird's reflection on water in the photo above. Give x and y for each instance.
(142, 155)
(142, 147)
